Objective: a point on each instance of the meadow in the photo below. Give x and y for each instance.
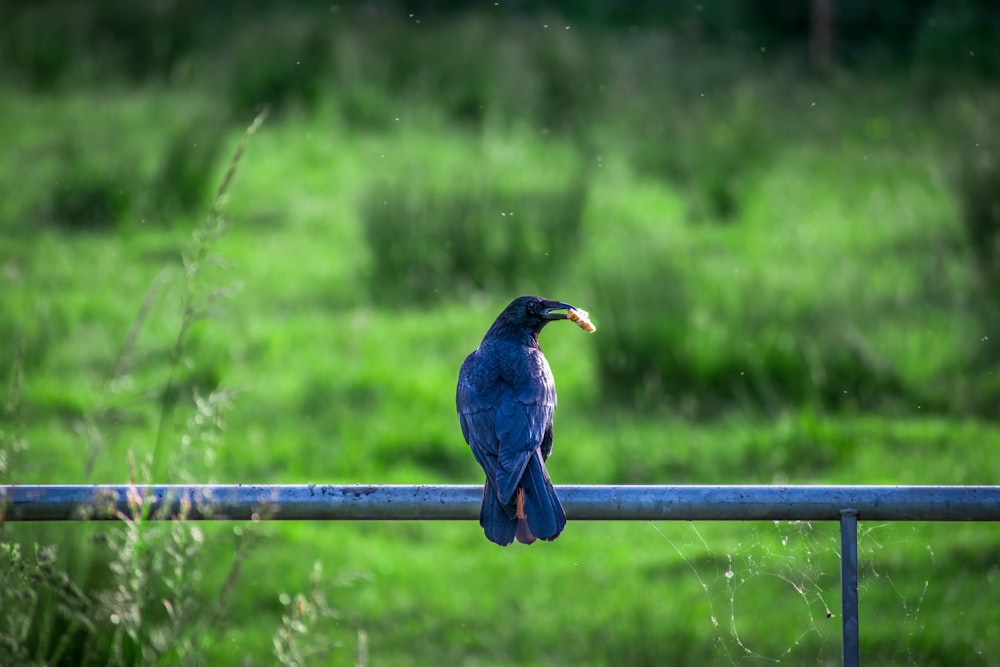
(787, 277)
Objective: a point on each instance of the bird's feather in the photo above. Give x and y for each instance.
(544, 512)
(499, 522)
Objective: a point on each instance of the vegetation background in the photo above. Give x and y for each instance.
(783, 216)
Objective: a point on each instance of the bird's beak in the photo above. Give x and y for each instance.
(551, 306)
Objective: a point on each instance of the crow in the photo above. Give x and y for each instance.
(506, 397)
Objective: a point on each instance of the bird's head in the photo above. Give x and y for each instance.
(527, 315)
(534, 311)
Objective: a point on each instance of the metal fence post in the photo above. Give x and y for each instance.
(849, 586)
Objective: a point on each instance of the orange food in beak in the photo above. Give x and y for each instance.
(582, 319)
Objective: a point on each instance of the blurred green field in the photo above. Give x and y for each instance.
(784, 293)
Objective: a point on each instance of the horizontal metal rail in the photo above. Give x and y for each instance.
(461, 502)
(846, 504)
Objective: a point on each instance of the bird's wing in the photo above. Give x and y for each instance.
(478, 430)
(520, 428)
(505, 402)
(526, 404)
(476, 413)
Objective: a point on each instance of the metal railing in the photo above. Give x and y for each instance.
(317, 502)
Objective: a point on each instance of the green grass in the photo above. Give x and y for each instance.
(845, 237)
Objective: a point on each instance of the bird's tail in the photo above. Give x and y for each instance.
(499, 521)
(541, 506)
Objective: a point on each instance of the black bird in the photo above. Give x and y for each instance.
(506, 397)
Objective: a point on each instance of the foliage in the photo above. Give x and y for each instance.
(297, 642)
(663, 348)
(711, 149)
(843, 264)
(159, 41)
(977, 187)
(150, 606)
(277, 65)
(182, 184)
(428, 242)
(91, 193)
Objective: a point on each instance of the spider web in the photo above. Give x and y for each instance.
(772, 591)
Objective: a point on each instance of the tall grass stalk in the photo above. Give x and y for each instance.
(295, 642)
(11, 439)
(197, 306)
